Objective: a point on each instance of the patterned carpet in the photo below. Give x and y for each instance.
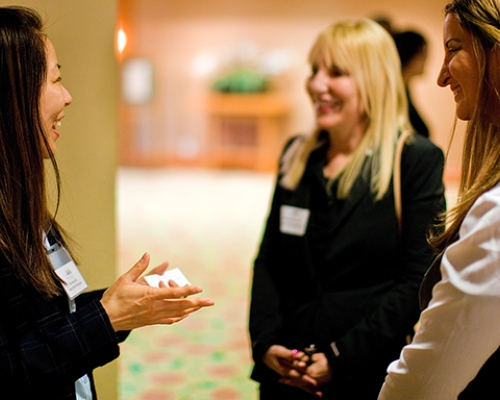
(208, 224)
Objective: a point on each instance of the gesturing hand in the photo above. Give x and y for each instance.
(130, 303)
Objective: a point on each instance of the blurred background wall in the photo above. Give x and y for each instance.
(190, 44)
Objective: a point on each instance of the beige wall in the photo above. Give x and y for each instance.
(82, 33)
(172, 34)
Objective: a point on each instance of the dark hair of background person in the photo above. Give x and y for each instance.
(384, 21)
(412, 50)
(409, 45)
(23, 201)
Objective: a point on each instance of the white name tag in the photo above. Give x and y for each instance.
(66, 269)
(293, 220)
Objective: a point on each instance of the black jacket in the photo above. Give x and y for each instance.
(43, 348)
(350, 279)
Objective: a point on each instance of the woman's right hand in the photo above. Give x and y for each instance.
(291, 366)
(279, 359)
(131, 304)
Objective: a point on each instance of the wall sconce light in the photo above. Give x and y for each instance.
(121, 40)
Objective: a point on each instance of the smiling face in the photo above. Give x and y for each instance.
(53, 99)
(460, 68)
(335, 97)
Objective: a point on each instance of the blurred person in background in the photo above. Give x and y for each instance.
(412, 50)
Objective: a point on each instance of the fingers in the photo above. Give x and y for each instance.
(180, 307)
(281, 360)
(302, 381)
(131, 303)
(138, 269)
(190, 305)
(303, 378)
(196, 304)
(299, 360)
(171, 283)
(173, 292)
(293, 365)
(160, 269)
(170, 321)
(282, 352)
(176, 310)
(303, 386)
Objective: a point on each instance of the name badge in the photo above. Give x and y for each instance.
(293, 220)
(66, 269)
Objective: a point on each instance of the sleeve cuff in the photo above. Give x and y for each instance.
(258, 350)
(333, 355)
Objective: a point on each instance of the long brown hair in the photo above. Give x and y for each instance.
(24, 215)
(481, 152)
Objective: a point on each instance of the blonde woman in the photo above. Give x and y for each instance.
(455, 353)
(335, 284)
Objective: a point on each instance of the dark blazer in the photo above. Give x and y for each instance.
(43, 348)
(350, 279)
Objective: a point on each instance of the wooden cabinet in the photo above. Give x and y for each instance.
(246, 130)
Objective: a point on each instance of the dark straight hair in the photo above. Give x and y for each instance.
(24, 215)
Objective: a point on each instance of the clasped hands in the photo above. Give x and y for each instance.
(298, 369)
(131, 303)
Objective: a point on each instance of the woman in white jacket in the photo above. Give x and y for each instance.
(455, 353)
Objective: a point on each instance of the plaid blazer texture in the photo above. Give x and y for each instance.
(43, 348)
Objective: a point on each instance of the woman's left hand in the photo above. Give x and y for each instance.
(319, 368)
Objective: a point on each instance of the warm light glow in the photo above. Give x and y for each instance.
(122, 40)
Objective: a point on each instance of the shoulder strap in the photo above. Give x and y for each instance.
(289, 152)
(397, 178)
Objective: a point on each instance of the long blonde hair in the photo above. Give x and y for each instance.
(481, 152)
(364, 50)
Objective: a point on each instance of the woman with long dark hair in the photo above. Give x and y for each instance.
(52, 334)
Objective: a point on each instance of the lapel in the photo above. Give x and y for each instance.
(359, 190)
